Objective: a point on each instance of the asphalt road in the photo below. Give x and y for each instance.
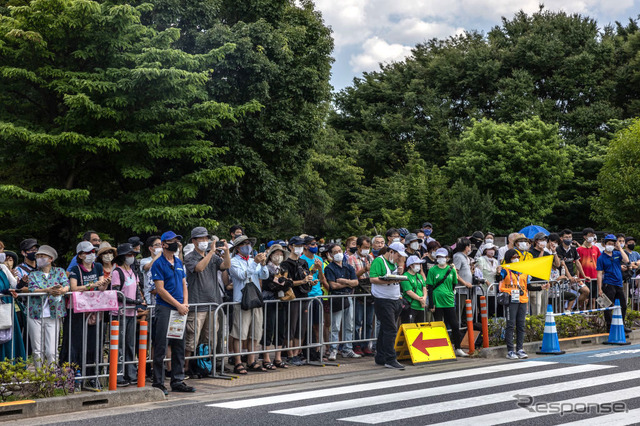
(484, 394)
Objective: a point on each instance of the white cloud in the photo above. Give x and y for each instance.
(413, 30)
(370, 31)
(376, 51)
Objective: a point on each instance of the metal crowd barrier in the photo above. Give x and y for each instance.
(88, 369)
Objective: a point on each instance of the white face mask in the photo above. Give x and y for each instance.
(277, 259)
(442, 261)
(609, 248)
(129, 260)
(298, 250)
(338, 257)
(488, 241)
(515, 261)
(364, 252)
(542, 244)
(107, 258)
(416, 268)
(90, 258)
(203, 245)
(157, 250)
(396, 240)
(523, 246)
(41, 262)
(590, 239)
(414, 245)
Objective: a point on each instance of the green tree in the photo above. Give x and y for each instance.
(511, 162)
(282, 60)
(104, 124)
(469, 210)
(559, 67)
(619, 190)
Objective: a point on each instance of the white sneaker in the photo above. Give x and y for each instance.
(461, 353)
(333, 355)
(522, 354)
(512, 355)
(350, 354)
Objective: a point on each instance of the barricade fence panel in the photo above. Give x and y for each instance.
(216, 333)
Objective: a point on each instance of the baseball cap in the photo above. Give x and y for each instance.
(427, 225)
(309, 239)
(170, 235)
(540, 236)
(414, 259)
(296, 241)
(610, 237)
(84, 247)
(442, 252)
(399, 247)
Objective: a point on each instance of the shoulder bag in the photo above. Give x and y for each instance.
(251, 297)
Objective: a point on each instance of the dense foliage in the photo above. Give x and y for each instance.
(133, 117)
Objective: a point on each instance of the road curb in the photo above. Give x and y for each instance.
(78, 402)
(570, 342)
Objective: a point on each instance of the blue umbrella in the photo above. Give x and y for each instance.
(531, 230)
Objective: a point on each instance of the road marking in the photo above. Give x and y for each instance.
(618, 419)
(442, 390)
(522, 414)
(344, 390)
(507, 398)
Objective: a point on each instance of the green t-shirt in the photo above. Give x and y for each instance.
(377, 268)
(443, 296)
(415, 284)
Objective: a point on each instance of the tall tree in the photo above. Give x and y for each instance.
(619, 189)
(511, 162)
(282, 60)
(104, 124)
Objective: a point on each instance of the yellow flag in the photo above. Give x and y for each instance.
(540, 267)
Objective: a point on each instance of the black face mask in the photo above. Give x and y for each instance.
(353, 250)
(631, 246)
(173, 247)
(31, 256)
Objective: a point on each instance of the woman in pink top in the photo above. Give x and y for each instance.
(124, 279)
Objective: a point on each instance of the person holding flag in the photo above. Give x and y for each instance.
(516, 285)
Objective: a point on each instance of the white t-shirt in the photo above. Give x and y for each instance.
(391, 291)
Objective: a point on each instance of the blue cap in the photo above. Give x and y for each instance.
(296, 241)
(170, 235)
(610, 237)
(272, 242)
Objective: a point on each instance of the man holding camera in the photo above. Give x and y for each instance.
(202, 266)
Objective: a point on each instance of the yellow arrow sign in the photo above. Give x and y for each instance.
(540, 267)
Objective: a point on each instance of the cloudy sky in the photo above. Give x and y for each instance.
(368, 32)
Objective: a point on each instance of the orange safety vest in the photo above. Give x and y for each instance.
(514, 281)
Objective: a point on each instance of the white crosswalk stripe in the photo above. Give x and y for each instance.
(521, 414)
(392, 400)
(442, 390)
(505, 397)
(345, 390)
(632, 417)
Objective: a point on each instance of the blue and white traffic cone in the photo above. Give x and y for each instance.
(550, 341)
(616, 332)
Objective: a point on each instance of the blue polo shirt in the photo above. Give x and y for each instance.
(172, 276)
(316, 290)
(612, 268)
(333, 271)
